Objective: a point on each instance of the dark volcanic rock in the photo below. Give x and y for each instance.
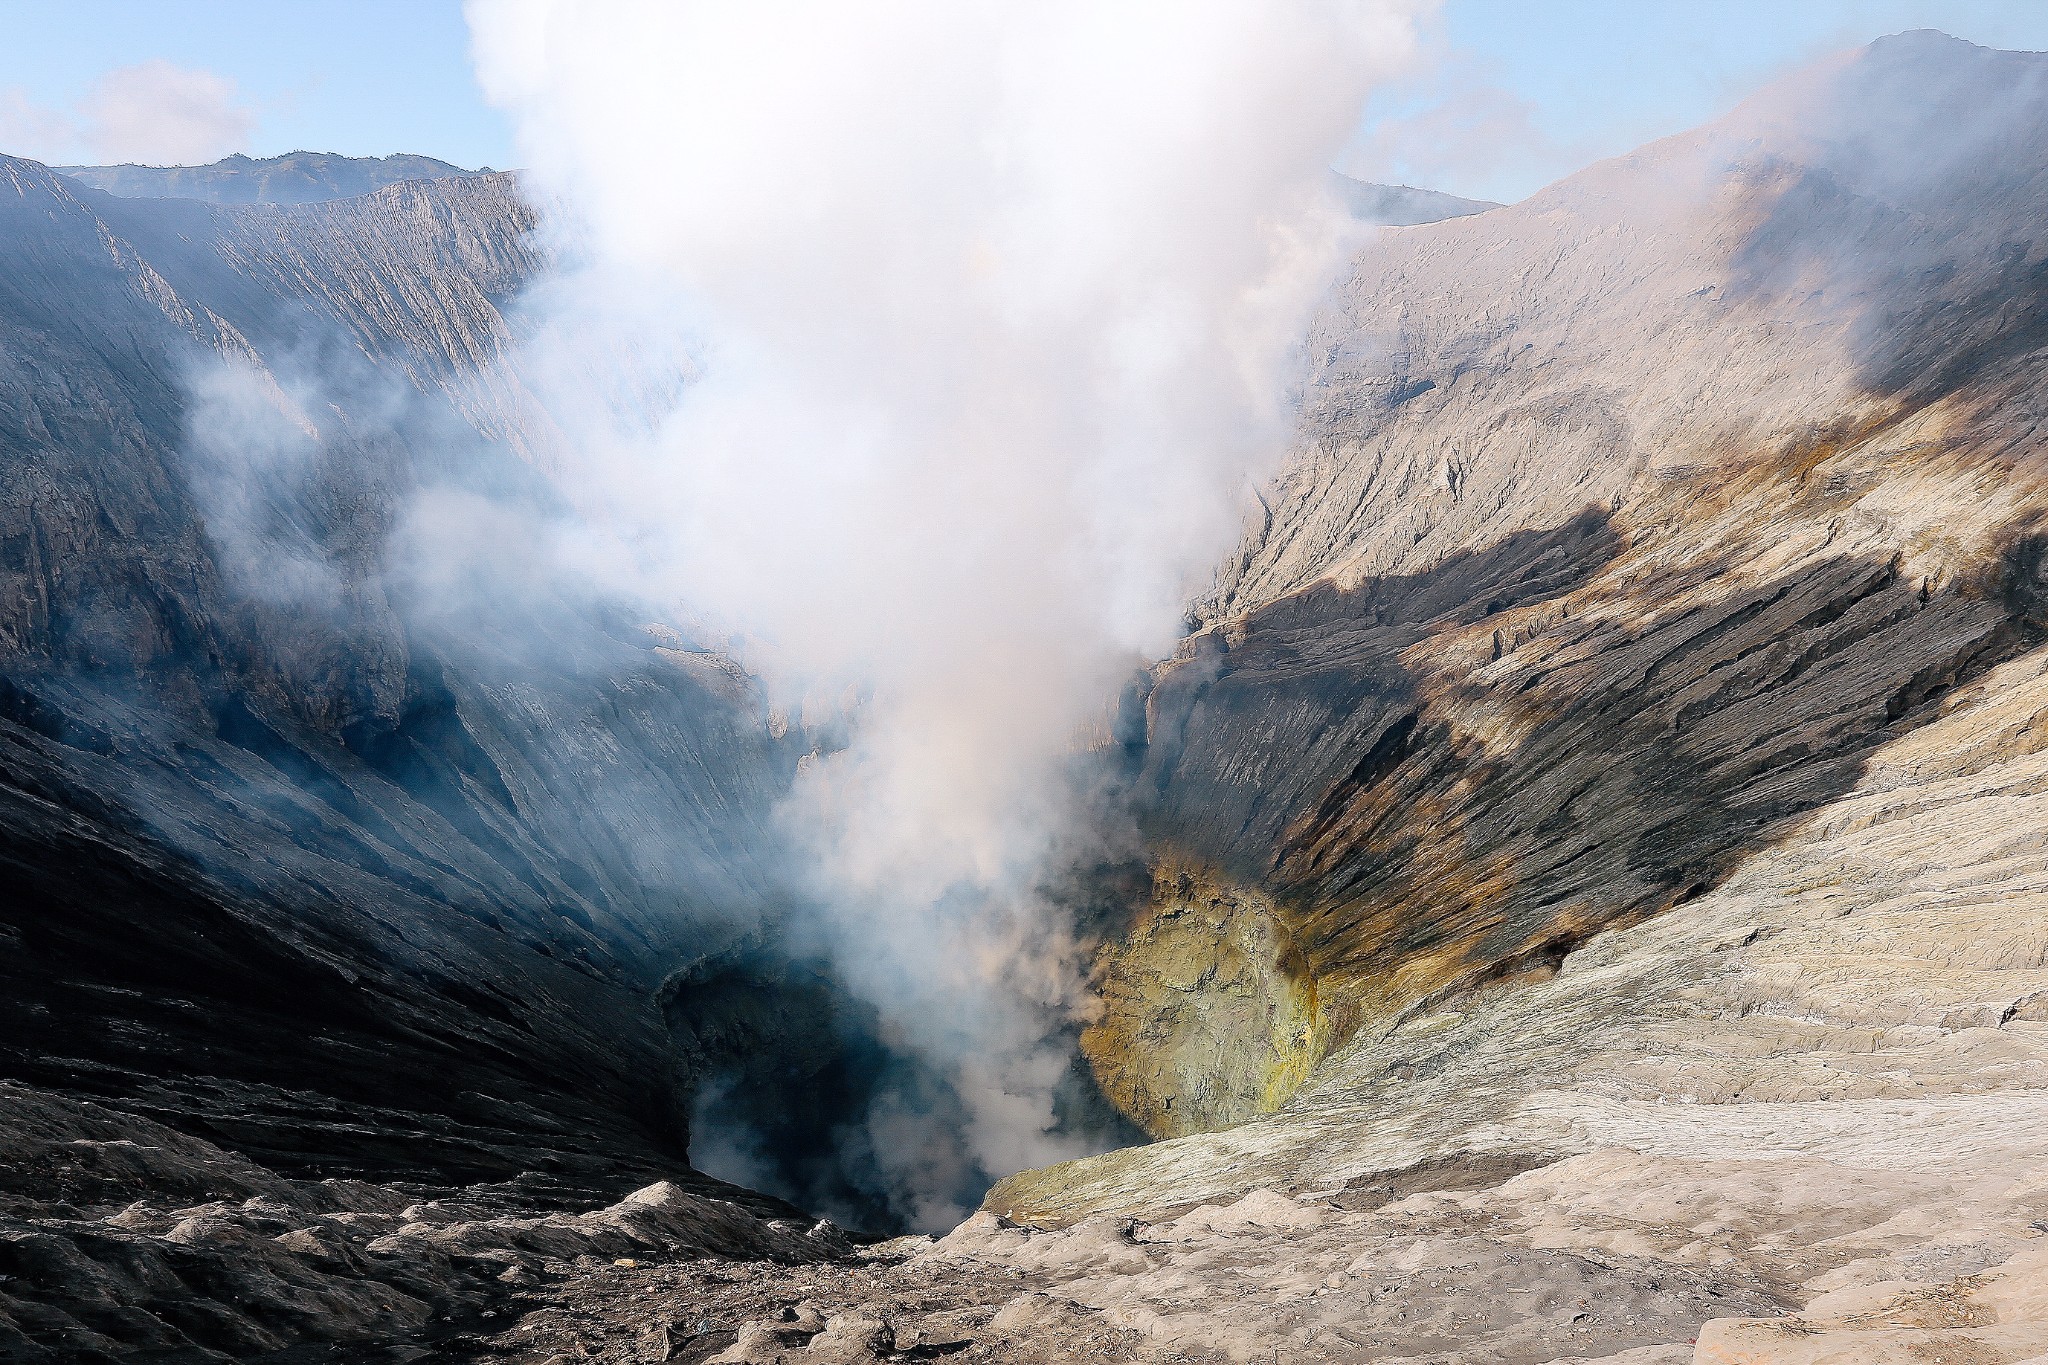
(1628, 524)
(300, 859)
(120, 1236)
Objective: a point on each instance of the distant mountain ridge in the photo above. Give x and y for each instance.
(294, 178)
(317, 177)
(1403, 205)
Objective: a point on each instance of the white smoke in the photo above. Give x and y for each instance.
(991, 309)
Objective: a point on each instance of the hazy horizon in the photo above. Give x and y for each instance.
(1501, 100)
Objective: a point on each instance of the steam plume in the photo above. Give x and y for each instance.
(990, 310)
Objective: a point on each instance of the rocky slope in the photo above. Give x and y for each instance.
(1595, 824)
(162, 1245)
(1613, 754)
(308, 856)
(365, 807)
(1631, 523)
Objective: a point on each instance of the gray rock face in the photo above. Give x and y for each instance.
(1624, 715)
(120, 1236)
(294, 178)
(334, 871)
(1611, 768)
(1629, 523)
(1842, 249)
(280, 863)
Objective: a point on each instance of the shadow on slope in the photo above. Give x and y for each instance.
(1458, 776)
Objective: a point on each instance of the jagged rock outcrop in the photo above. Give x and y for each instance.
(1211, 1011)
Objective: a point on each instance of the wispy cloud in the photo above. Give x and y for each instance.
(34, 130)
(153, 113)
(1453, 124)
(160, 114)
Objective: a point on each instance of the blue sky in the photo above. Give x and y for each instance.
(366, 77)
(1517, 92)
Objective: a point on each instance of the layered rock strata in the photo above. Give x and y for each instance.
(1623, 713)
(297, 861)
(1631, 524)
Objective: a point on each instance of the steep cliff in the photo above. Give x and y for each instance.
(292, 842)
(1622, 726)
(1629, 525)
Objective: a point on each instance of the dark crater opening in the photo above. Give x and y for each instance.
(797, 1091)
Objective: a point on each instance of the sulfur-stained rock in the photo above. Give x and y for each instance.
(1210, 1011)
